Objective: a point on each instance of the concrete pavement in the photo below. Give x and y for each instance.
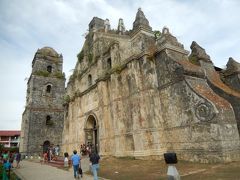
(30, 170)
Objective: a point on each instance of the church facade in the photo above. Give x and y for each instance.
(139, 93)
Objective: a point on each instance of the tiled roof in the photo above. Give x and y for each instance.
(9, 133)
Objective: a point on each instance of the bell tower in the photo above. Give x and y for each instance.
(42, 119)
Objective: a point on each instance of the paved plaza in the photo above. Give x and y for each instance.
(32, 170)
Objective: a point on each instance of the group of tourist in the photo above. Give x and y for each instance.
(9, 160)
(51, 153)
(94, 163)
(86, 149)
(12, 160)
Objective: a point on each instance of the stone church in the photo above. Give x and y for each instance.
(135, 93)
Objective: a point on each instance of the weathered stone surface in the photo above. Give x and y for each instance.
(42, 102)
(199, 53)
(231, 76)
(134, 95)
(141, 21)
(146, 98)
(233, 66)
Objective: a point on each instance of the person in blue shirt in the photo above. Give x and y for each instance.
(76, 163)
(6, 169)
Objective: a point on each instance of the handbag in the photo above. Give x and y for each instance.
(80, 170)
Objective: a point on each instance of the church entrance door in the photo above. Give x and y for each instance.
(91, 132)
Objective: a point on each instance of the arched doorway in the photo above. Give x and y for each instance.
(46, 145)
(91, 132)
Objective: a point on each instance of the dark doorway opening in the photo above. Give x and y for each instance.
(46, 145)
(91, 133)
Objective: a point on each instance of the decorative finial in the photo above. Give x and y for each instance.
(165, 30)
(107, 26)
(141, 21)
(121, 27)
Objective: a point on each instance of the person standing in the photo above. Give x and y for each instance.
(18, 159)
(94, 159)
(5, 155)
(45, 157)
(66, 160)
(76, 164)
(57, 149)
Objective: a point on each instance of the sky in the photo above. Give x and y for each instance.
(26, 26)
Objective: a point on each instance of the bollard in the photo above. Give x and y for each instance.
(171, 160)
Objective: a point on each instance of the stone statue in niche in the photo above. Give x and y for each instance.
(116, 54)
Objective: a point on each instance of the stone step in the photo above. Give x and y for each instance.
(57, 162)
(55, 165)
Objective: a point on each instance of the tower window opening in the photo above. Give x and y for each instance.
(48, 89)
(109, 63)
(48, 120)
(89, 79)
(49, 69)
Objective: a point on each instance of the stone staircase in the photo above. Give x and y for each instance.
(58, 162)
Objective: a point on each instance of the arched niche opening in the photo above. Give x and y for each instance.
(48, 88)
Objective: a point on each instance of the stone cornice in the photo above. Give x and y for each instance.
(112, 35)
(141, 30)
(171, 47)
(45, 109)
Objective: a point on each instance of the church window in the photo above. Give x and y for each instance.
(109, 63)
(89, 79)
(49, 69)
(48, 89)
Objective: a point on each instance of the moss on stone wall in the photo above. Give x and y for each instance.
(57, 74)
(80, 56)
(157, 34)
(90, 57)
(42, 73)
(193, 60)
